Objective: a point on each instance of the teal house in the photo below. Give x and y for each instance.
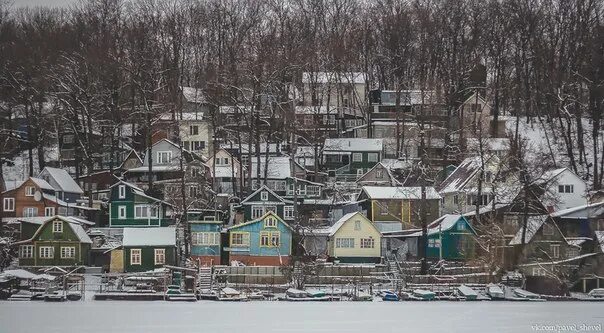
(450, 237)
(265, 241)
(205, 237)
(129, 206)
(262, 201)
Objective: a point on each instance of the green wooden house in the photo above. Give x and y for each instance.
(261, 202)
(353, 156)
(129, 206)
(450, 237)
(58, 241)
(145, 249)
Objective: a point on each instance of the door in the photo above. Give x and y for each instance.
(117, 261)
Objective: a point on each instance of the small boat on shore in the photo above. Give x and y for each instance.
(390, 296)
(423, 295)
(231, 295)
(467, 293)
(527, 295)
(495, 292)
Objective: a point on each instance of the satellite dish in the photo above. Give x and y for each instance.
(37, 196)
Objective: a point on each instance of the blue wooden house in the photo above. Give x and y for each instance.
(266, 241)
(129, 206)
(205, 237)
(262, 201)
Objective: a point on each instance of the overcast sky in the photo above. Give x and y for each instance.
(48, 3)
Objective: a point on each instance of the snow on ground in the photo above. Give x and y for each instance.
(262, 317)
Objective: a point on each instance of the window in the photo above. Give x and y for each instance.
(270, 238)
(313, 190)
(193, 191)
(345, 243)
(29, 191)
(144, 212)
(135, 256)
(288, 212)
(67, 252)
(164, 157)
(548, 229)
(488, 176)
(357, 225)
(198, 145)
(240, 239)
(555, 250)
(49, 211)
(226, 161)
(30, 211)
(264, 196)
(275, 238)
(193, 130)
(270, 222)
(121, 212)
(47, 252)
(257, 211)
(379, 174)
(367, 243)
(359, 173)
(572, 252)
(160, 256)
(68, 138)
(122, 191)
(431, 242)
(332, 120)
(357, 157)
(9, 204)
(205, 238)
(456, 199)
(461, 225)
(195, 172)
(57, 226)
(26, 251)
(265, 238)
(372, 157)
(538, 271)
(566, 188)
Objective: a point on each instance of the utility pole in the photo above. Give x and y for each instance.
(423, 244)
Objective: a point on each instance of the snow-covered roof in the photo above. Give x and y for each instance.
(533, 224)
(334, 77)
(232, 109)
(393, 181)
(41, 219)
(63, 180)
(462, 174)
(336, 226)
(261, 218)
(353, 144)
(394, 164)
(164, 236)
(399, 192)
(12, 184)
(443, 223)
(265, 188)
(184, 116)
(155, 168)
(550, 175)
(194, 95)
(408, 97)
(324, 109)
(279, 167)
(581, 212)
(80, 233)
(493, 144)
(600, 239)
(41, 183)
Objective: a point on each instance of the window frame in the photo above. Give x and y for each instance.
(47, 252)
(256, 208)
(121, 189)
(8, 202)
(373, 157)
(119, 212)
(357, 157)
(26, 252)
(555, 250)
(264, 195)
(160, 159)
(138, 254)
(34, 211)
(30, 191)
(357, 225)
(288, 212)
(161, 253)
(367, 243)
(65, 254)
(49, 211)
(245, 239)
(345, 243)
(272, 224)
(57, 226)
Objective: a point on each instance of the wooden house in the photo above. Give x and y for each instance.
(354, 239)
(274, 173)
(394, 208)
(561, 189)
(65, 187)
(262, 201)
(26, 227)
(227, 172)
(351, 156)
(379, 175)
(144, 250)
(57, 242)
(206, 240)
(129, 206)
(265, 241)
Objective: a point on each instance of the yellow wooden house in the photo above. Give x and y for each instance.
(354, 239)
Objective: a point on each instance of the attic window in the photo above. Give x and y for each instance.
(57, 226)
(357, 225)
(461, 226)
(566, 188)
(264, 196)
(122, 191)
(164, 157)
(29, 191)
(270, 222)
(379, 174)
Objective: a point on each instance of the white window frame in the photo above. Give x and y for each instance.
(121, 209)
(9, 205)
(345, 243)
(372, 157)
(357, 157)
(367, 243)
(264, 195)
(379, 174)
(288, 212)
(257, 209)
(26, 251)
(205, 238)
(191, 127)
(159, 256)
(136, 254)
(357, 225)
(555, 248)
(57, 226)
(27, 210)
(49, 211)
(360, 172)
(47, 252)
(68, 141)
(121, 191)
(67, 252)
(160, 157)
(30, 191)
(245, 239)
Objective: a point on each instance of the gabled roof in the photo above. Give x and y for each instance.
(63, 180)
(461, 176)
(443, 223)
(138, 191)
(549, 175)
(264, 188)
(393, 181)
(132, 151)
(533, 224)
(398, 192)
(41, 219)
(77, 228)
(41, 183)
(269, 213)
(353, 145)
(581, 212)
(279, 167)
(194, 95)
(336, 226)
(163, 236)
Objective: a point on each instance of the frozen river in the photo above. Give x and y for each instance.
(252, 317)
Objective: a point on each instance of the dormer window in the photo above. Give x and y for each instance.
(57, 226)
(164, 157)
(264, 196)
(122, 191)
(270, 222)
(29, 191)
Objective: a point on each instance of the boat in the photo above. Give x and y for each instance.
(297, 295)
(596, 293)
(390, 297)
(315, 293)
(495, 292)
(527, 295)
(423, 295)
(362, 297)
(468, 293)
(21, 295)
(231, 295)
(256, 296)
